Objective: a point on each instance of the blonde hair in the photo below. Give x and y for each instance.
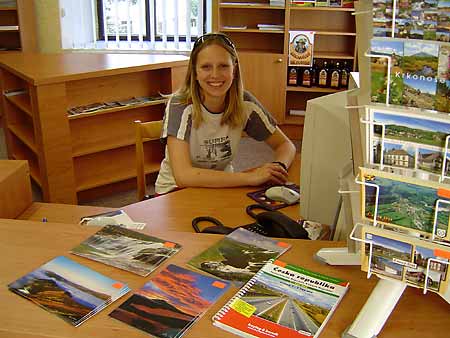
(189, 93)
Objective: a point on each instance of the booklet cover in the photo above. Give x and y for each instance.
(126, 249)
(69, 290)
(171, 302)
(408, 259)
(284, 301)
(405, 203)
(239, 255)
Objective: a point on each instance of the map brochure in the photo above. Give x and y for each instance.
(170, 302)
(405, 203)
(69, 290)
(126, 249)
(406, 259)
(408, 143)
(239, 255)
(283, 301)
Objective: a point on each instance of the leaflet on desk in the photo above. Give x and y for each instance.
(116, 217)
(411, 260)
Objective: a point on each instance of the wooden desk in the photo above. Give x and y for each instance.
(85, 155)
(27, 245)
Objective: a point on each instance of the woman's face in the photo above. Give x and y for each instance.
(215, 72)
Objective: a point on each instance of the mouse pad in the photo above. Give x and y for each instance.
(260, 197)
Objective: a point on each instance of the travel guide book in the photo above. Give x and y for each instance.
(171, 302)
(407, 259)
(239, 255)
(284, 301)
(412, 144)
(69, 290)
(126, 249)
(405, 203)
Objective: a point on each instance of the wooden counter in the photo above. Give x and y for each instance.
(81, 156)
(26, 245)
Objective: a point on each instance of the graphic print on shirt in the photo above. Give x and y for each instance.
(215, 150)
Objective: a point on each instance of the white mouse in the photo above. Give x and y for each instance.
(283, 194)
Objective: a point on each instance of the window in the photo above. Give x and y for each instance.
(133, 24)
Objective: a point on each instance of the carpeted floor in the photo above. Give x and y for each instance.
(251, 154)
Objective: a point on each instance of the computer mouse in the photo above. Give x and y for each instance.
(283, 194)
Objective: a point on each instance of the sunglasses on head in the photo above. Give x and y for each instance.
(210, 36)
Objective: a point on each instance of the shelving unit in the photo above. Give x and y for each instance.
(17, 26)
(264, 54)
(77, 157)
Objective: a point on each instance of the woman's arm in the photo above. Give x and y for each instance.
(282, 146)
(188, 176)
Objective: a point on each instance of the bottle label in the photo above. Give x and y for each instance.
(334, 79)
(293, 77)
(306, 80)
(323, 77)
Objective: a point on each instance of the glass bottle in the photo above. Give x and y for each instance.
(323, 75)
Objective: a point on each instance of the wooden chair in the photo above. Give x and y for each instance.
(145, 131)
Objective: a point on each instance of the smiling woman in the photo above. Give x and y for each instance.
(204, 121)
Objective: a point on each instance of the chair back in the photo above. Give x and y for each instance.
(145, 131)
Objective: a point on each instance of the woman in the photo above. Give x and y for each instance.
(204, 120)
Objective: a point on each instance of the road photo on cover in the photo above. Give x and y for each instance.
(284, 301)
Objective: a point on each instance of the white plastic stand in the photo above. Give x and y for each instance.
(338, 256)
(376, 310)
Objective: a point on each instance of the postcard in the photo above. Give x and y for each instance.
(405, 203)
(301, 47)
(69, 290)
(171, 302)
(381, 51)
(126, 249)
(382, 18)
(405, 258)
(413, 142)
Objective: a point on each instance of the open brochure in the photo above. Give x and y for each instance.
(283, 301)
(116, 217)
(126, 249)
(69, 290)
(239, 255)
(171, 302)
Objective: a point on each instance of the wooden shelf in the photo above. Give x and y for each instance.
(247, 6)
(8, 9)
(312, 89)
(296, 120)
(325, 9)
(116, 109)
(114, 177)
(335, 33)
(9, 29)
(25, 134)
(333, 55)
(253, 30)
(21, 101)
(102, 147)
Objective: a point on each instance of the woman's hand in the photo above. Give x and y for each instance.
(267, 173)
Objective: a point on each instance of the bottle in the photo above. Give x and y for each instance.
(292, 76)
(314, 73)
(335, 76)
(345, 73)
(323, 75)
(306, 77)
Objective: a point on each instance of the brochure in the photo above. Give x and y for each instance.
(126, 249)
(301, 46)
(69, 290)
(284, 301)
(239, 255)
(171, 302)
(116, 217)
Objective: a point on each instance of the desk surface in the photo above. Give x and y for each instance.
(40, 69)
(27, 245)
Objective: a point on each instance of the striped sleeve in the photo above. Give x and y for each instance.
(260, 123)
(177, 120)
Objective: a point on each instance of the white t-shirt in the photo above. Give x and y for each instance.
(211, 145)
